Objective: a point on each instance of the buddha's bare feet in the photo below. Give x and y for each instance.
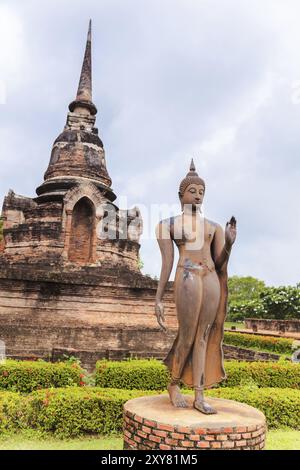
(176, 397)
(204, 407)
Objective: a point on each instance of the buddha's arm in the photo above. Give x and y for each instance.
(220, 249)
(167, 253)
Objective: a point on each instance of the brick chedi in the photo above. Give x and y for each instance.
(69, 274)
(61, 224)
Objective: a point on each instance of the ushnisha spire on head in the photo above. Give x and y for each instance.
(192, 177)
(84, 92)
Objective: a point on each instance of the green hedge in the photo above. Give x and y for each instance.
(12, 416)
(153, 375)
(74, 411)
(263, 374)
(141, 374)
(281, 406)
(25, 376)
(267, 343)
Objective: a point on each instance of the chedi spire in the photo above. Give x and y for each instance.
(78, 151)
(84, 92)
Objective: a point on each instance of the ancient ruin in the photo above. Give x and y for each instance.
(70, 282)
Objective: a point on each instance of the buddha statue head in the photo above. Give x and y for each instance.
(192, 189)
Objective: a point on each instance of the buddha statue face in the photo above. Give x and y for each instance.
(193, 196)
(191, 189)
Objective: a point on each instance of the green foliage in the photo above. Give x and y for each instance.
(281, 406)
(238, 311)
(74, 411)
(262, 374)
(25, 376)
(153, 375)
(77, 411)
(281, 302)
(243, 296)
(244, 288)
(267, 343)
(11, 411)
(272, 302)
(142, 374)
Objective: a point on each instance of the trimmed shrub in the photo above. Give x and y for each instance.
(263, 374)
(26, 376)
(73, 411)
(153, 375)
(281, 406)
(141, 374)
(76, 411)
(267, 343)
(12, 411)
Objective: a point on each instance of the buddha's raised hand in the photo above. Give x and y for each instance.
(230, 232)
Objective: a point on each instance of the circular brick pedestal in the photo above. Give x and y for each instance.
(153, 423)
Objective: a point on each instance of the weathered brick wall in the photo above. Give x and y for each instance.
(273, 325)
(47, 233)
(106, 317)
(242, 354)
(88, 314)
(34, 234)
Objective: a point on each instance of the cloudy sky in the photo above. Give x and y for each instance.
(217, 80)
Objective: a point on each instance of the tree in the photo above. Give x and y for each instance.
(281, 303)
(242, 289)
(244, 297)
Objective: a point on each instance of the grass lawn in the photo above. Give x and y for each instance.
(33, 440)
(238, 325)
(276, 440)
(287, 439)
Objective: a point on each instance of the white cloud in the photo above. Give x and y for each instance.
(214, 80)
(12, 51)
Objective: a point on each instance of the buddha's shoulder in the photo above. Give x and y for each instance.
(212, 224)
